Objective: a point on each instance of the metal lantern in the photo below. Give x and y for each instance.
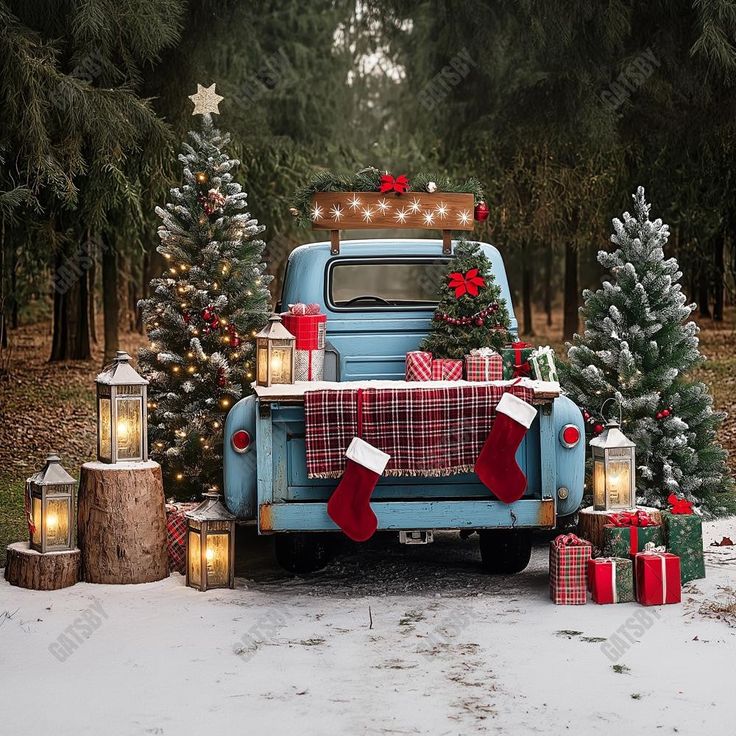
(52, 494)
(121, 412)
(210, 545)
(613, 469)
(274, 353)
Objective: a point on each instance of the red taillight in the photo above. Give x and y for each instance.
(569, 435)
(240, 441)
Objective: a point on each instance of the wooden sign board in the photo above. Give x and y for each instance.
(444, 211)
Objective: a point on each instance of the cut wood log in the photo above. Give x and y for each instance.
(27, 568)
(591, 523)
(121, 523)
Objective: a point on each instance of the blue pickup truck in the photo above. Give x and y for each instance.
(379, 297)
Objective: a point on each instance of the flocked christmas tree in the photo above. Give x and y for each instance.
(637, 347)
(471, 313)
(203, 312)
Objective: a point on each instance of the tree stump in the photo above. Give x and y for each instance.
(121, 523)
(27, 568)
(591, 523)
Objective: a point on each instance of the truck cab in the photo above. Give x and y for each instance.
(379, 297)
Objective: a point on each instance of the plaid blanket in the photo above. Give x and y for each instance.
(426, 431)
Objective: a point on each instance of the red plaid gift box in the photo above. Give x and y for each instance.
(657, 578)
(307, 327)
(418, 366)
(447, 369)
(176, 535)
(568, 569)
(483, 365)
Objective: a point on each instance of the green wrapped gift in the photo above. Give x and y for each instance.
(684, 537)
(626, 541)
(543, 364)
(516, 360)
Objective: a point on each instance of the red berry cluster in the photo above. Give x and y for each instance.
(221, 379)
(478, 319)
(664, 413)
(211, 202)
(213, 323)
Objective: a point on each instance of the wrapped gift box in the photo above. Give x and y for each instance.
(309, 365)
(516, 360)
(629, 532)
(307, 326)
(483, 364)
(543, 366)
(568, 561)
(447, 369)
(657, 578)
(176, 535)
(418, 366)
(683, 535)
(611, 579)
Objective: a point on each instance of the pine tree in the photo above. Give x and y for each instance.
(471, 313)
(202, 314)
(637, 347)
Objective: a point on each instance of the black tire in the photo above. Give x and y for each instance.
(302, 553)
(505, 551)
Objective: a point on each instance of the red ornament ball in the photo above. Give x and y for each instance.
(665, 413)
(479, 322)
(207, 314)
(235, 341)
(481, 211)
(598, 428)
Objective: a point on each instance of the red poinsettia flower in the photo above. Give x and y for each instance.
(390, 184)
(470, 283)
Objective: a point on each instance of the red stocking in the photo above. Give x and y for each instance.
(349, 505)
(496, 465)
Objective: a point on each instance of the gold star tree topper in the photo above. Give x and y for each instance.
(206, 100)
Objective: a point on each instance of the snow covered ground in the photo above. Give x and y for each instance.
(390, 640)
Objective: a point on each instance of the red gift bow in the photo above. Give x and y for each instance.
(390, 184)
(631, 518)
(570, 540)
(301, 309)
(470, 283)
(679, 505)
(521, 369)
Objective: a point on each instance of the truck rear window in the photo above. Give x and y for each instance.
(378, 284)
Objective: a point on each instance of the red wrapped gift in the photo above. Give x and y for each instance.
(418, 366)
(447, 369)
(611, 579)
(307, 325)
(483, 365)
(657, 578)
(176, 535)
(568, 560)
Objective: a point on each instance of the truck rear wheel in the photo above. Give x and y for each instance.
(505, 551)
(302, 553)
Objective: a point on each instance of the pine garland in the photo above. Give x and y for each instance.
(369, 180)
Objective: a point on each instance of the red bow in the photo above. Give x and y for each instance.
(631, 518)
(570, 540)
(679, 505)
(469, 283)
(390, 184)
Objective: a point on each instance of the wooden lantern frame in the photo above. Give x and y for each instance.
(445, 211)
(52, 485)
(120, 382)
(210, 518)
